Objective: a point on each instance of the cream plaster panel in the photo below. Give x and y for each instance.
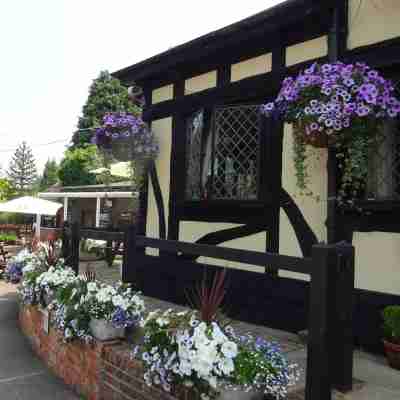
(309, 50)
(377, 261)
(312, 207)
(162, 94)
(201, 82)
(372, 21)
(163, 132)
(253, 66)
(192, 231)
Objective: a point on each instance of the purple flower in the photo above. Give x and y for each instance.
(119, 125)
(362, 110)
(372, 74)
(326, 68)
(345, 93)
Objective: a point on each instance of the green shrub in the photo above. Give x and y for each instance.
(8, 237)
(391, 319)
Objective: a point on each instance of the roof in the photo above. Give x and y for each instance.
(111, 187)
(270, 20)
(88, 195)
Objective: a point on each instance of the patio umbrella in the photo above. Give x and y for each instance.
(120, 169)
(30, 205)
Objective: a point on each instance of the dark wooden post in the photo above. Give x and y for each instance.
(343, 337)
(75, 241)
(128, 271)
(318, 380)
(65, 240)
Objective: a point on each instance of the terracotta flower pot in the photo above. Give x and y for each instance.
(392, 352)
(48, 298)
(103, 330)
(240, 395)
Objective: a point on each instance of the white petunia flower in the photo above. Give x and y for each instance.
(229, 349)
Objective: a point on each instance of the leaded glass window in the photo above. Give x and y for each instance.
(223, 155)
(384, 165)
(194, 132)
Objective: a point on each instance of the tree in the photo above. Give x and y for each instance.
(74, 168)
(6, 189)
(22, 169)
(50, 175)
(106, 94)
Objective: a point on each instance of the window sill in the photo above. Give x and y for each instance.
(378, 205)
(236, 211)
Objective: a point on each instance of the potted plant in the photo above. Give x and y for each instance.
(112, 309)
(198, 352)
(341, 106)
(391, 342)
(127, 136)
(49, 282)
(70, 315)
(14, 269)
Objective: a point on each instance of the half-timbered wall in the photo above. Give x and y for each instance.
(370, 22)
(377, 253)
(163, 132)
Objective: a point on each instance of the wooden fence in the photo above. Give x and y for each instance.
(331, 271)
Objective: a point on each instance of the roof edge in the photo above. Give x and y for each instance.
(154, 65)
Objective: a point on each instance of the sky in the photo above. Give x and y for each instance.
(51, 50)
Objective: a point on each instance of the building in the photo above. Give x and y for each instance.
(202, 99)
(110, 206)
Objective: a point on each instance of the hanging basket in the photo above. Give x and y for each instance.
(122, 149)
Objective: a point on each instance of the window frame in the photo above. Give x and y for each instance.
(209, 129)
(371, 205)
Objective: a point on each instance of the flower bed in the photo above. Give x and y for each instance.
(189, 353)
(99, 371)
(77, 364)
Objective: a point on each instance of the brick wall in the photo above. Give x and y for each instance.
(100, 371)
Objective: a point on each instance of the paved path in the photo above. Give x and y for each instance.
(22, 375)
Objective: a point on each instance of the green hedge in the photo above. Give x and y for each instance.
(8, 237)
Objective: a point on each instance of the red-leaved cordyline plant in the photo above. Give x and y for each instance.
(90, 274)
(208, 300)
(34, 244)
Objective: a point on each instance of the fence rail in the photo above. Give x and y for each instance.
(288, 263)
(331, 270)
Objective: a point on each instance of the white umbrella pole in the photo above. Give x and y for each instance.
(38, 222)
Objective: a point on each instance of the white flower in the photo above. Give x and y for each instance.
(185, 367)
(226, 366)
(217, 334)
(229, 349)
(92, 287)
(213, 382)
(162, 322)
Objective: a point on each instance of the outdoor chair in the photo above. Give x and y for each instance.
(4, 257)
